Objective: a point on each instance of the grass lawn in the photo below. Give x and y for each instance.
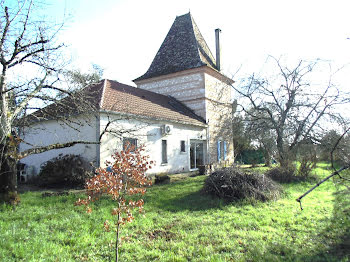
(182, 224)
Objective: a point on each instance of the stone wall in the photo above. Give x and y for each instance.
(188, 87)
(219, 117)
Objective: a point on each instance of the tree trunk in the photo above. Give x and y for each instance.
(284, 156)
(267, 158)
(8, 174)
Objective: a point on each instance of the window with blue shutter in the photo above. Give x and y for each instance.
(219, 150)
(225, 150)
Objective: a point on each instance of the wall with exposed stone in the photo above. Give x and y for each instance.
(189, 88)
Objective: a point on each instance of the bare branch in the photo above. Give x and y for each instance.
(337, 172)
(38, 150)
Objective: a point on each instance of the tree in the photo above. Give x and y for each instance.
(123, 179)
(326, 146)
(261, 132)
(293, 106)
(240, 137)
(81, 80)
(32, 67)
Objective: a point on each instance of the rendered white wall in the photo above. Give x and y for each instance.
(51, 132)
(148, 133)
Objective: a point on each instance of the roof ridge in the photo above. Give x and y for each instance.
(103, 92)
(193, 25)
(201, 40)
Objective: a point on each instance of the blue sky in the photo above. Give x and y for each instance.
(123, 36)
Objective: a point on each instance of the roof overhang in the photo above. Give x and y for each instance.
(147, 118)
(202, 69)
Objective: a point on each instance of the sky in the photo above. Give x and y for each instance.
(124, 36)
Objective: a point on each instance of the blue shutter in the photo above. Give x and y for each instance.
(225, 150)
(219, 150)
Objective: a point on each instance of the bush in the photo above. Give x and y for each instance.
(307, 163)
(283, 174)
(290, 174)
(233, 184)
(162, 179)
(67, 170)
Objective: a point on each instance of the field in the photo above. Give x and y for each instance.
(183, 224)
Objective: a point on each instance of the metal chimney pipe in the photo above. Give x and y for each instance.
(217, 42)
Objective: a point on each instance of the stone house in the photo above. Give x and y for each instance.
(180, 110)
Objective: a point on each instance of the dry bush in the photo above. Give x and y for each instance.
(291, 174)
(283, 174)
(307, 163)
(67, 170)
(234, 184)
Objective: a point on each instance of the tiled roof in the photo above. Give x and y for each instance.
(114, 96)
(80, 102)
(126, 99)
(183, 48)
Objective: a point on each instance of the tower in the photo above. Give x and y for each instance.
(185, 69)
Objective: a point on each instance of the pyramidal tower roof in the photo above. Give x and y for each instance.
(183, 48)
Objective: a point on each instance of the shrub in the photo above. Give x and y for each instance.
(67, 170)
(291, 174)
(307, 163)
(162, 179)
(233, 184)
(283, 174)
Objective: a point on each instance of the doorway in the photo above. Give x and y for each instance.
(196, 154)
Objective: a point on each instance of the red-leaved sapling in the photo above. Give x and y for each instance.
(123, 178)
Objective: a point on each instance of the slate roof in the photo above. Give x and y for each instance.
(183, 48)
(127, 99)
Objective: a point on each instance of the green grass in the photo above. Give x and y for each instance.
(182, 224)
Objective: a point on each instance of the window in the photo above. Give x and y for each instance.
(164, 152)
(182, 146)
(219, 150)
(222, 150)
(225, 151)
(129, 143)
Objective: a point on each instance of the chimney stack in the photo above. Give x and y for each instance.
(217, 42)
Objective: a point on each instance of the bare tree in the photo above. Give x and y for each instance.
(32, 67)
(291, 104)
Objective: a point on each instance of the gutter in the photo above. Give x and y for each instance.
(135, 116)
